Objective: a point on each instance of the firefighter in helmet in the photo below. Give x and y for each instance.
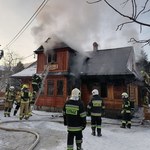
(36, 82)
(126, 111)
(75, 118)
(24, 104)
(9, 100)
(96, 108)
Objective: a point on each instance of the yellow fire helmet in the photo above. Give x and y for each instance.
(25, 86)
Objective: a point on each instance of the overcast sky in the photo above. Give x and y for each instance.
(74, 21)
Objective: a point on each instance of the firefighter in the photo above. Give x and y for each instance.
(24, 105)
(36, 82)
(9, 100)
(75, 118)
(95, 109)
(17, 101)
(126, 111)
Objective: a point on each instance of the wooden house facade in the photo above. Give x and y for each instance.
(111, 71)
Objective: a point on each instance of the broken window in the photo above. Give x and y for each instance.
(52, 58)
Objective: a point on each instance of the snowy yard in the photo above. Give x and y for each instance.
(53, 134)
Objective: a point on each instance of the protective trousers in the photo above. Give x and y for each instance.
(8, 106)
(78, 138)
(96, 122)
(126, 120)
(24, 106)
(16, 109)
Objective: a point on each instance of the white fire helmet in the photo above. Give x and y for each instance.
(95, 92)
(124, 95)
(75, 93)
(11, 88)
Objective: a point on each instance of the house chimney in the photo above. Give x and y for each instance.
(95, 46)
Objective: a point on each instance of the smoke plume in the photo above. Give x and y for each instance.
(79, 24)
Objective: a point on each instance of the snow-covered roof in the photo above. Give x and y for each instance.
(28, 72)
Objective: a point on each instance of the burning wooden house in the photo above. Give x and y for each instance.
(111, 71)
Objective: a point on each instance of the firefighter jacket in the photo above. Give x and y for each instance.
(10, 96)
(74, 115)
(25, 95)
(96, 106)
(126, 106)
(36, 80)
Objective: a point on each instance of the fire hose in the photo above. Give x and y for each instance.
(36, 141)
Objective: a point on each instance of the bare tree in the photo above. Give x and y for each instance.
(10, 61)
(133, 18)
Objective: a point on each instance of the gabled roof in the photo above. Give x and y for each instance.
(118, 61)
(27, 72)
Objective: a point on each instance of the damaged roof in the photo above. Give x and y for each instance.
(117, 61)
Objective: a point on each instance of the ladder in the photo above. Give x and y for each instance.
(44, 75)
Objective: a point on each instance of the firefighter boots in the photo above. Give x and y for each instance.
(15, 112)
(93, 133)
(129, 126)
(122, 126)
(79, 147)
(99, 132)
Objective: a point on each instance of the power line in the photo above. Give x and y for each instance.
(27, 24)
(27, 56)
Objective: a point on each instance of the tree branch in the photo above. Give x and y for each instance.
(93, 2)
(146, 11)
(147, 42)
(142, 9)
(133, 18)
(120, 26)
(121, 14)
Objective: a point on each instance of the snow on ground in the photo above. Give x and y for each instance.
(54, 133)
